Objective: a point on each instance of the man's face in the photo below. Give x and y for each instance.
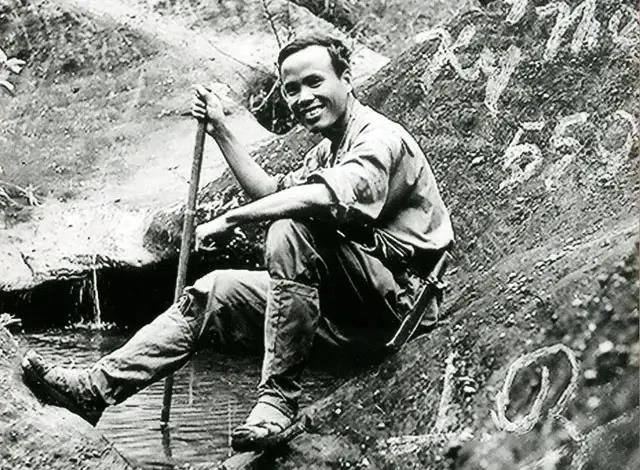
(315, 94)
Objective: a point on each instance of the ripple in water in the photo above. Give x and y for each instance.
(212, 394)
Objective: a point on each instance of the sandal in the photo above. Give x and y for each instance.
(265, 427)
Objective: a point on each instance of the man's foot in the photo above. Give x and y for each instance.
(263, 428)
(61, 386)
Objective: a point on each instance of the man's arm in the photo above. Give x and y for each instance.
(298, 201)
(252, 178)
(256, 182)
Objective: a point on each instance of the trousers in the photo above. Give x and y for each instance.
(318, 289)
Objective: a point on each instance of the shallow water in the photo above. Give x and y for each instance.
(212, 394)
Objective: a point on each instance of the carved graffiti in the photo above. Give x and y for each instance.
(499, 67)
(445, 420)
(614, 158)
(561, 143)
(627, 36)
(446, 54)
(586, 32)
(447, 428)
(497, 70)
(522, 160)
(498, 77)
(526, 423)
(588, 29)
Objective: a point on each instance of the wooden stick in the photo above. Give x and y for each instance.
(185, 248)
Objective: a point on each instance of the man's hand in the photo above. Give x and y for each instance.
(207, 105)
(215, 228)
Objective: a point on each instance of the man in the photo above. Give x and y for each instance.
(363, 209)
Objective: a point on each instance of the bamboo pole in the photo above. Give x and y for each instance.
(185, 248)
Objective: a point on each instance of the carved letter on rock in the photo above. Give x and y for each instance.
(445, 54)
(526, 423)
(586, 32)
(498, 77)
(615, 158)
(629, 36)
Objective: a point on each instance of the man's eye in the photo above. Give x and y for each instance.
(290, 90)
(315, 82)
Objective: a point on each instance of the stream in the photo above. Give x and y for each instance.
(212, 394)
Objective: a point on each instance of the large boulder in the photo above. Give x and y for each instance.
(529, 114)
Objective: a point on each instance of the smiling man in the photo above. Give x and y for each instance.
(348, 227)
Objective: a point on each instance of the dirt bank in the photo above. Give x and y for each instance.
(547, 250)
(529, 114)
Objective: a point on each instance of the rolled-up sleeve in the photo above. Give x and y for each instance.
(360, 181)
(311, 162)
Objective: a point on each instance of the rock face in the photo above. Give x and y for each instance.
(37, 436)
(529, 114)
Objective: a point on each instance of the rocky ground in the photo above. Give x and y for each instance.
(530, 121)
(529, 114)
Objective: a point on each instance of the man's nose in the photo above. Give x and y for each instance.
(305, 96)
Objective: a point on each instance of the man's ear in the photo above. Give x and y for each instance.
(347, 78)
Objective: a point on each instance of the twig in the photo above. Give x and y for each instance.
(6, 319)
(269, 17)
(28, 192)
(4, 194)
(266, 99)
(96, 299)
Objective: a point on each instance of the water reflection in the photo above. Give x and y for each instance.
(211, 396)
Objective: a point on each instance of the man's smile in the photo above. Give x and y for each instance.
(312, 112)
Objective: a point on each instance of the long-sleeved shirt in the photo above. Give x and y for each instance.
(385, 192)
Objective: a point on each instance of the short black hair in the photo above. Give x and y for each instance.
(338, 51)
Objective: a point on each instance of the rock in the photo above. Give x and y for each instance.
(593, 402)
(469, 390)
(605, 347)
(590, 376)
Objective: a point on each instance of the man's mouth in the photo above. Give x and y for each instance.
(312, 112)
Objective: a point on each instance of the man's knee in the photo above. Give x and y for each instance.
(215, 299)
(290, 251)
(221, 286)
